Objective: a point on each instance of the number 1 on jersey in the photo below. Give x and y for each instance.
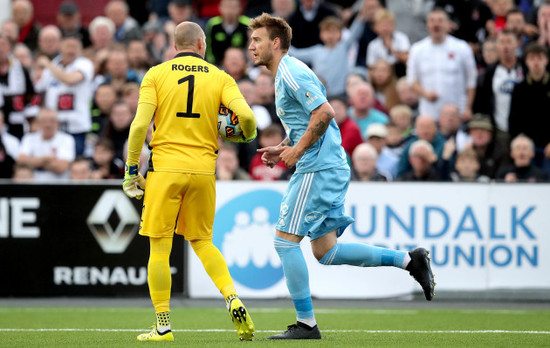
(189, 113)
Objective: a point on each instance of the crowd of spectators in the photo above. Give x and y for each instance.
(423, 90)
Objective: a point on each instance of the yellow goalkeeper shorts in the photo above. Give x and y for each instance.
(183, 203)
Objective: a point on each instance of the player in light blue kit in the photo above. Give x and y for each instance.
(313, 204)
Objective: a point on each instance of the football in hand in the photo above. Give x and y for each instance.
(228, 124)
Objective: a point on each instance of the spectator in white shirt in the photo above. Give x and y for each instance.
(442, 69)
(67, 83)
(48, 151)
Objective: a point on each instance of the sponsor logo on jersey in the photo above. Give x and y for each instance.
(310, 98)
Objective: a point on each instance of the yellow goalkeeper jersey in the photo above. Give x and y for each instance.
(187, 92)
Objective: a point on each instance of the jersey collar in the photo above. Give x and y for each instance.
(186, 54)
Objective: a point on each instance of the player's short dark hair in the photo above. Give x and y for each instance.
(276, 28)
(535, 49)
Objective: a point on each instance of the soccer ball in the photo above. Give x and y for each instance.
(228, 124)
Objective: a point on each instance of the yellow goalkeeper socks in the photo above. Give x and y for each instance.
(215, 266)
(159, 277)
(163, 322)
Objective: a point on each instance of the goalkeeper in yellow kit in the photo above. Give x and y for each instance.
(184, 94)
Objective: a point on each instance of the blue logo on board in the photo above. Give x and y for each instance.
(244, 229)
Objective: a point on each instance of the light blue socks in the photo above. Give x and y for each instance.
(357, 254)
(297, 276)
(364, 255)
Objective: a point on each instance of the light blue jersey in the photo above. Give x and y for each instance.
(313, 204)
(297, 93)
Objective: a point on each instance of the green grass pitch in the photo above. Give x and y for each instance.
(341, 327)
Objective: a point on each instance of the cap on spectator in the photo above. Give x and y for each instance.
(480, 121)
(68, 8)
(377, 130)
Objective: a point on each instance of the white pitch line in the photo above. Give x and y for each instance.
(365, 311)
(389, 311)
(270, 331)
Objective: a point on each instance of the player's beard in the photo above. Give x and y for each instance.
(265, 59)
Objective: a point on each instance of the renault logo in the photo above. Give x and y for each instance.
(113, 221)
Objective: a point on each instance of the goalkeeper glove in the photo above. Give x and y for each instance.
(242, 139)
(134, 183)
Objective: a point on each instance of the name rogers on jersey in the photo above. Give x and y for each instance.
(192, 68)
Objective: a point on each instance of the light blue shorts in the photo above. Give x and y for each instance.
(313, 204)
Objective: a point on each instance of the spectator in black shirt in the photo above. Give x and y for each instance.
(522, 151)
(230, 29)
(305, 22)
(495, 86)
(530, 106)
(468, 19)
(491, 153)
(105, 165)
(17, 90)
(23, 16)
(368, 10)
(118, 127)
(68, 20)
(421, 158)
